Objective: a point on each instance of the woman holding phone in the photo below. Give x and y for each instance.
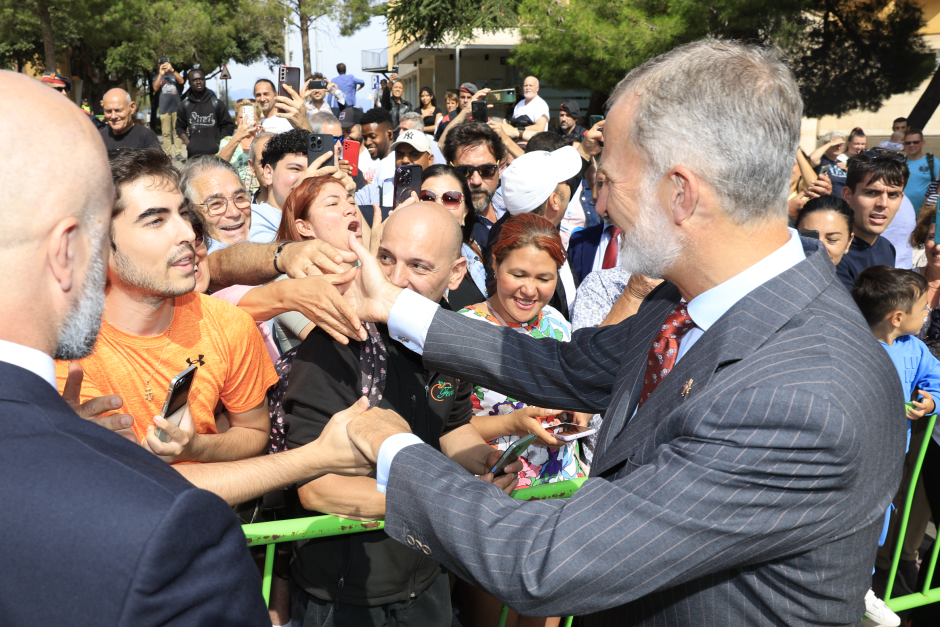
(235, 148)
(526, 259)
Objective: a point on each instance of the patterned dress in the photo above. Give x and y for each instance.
(541, 464)
(240, 161)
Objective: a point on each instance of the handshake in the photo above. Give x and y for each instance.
(350, 443)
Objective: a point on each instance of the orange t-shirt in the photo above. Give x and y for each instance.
(219, 338)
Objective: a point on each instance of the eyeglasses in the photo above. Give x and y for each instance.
(875, 153)
(217, 205)
(913, 143)
(448, 199)
(486, 171)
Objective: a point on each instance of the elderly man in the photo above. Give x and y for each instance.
(214, 188)
(420, 250)
(532, 106)
(121, 132)
(165, 553)
(750, 439)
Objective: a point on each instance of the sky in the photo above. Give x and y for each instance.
(333, 49)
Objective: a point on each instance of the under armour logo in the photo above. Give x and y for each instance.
(197, 361)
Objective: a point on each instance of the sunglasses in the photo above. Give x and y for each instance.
(200, 234)
(486, 171)
(875, 153)
(448, 199)
(913, 143)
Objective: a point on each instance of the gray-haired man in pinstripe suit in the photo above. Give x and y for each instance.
(742, 482)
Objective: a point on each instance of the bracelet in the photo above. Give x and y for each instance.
(277, 254)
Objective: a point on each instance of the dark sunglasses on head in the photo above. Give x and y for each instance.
(486, 171)
(875, 153)
(447, 198)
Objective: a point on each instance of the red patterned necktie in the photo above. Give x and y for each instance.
(665, 349)
(613, 247)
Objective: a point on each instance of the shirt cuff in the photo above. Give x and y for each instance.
(387, 453)
(410, 319)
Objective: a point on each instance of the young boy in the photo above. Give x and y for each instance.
(894, 303)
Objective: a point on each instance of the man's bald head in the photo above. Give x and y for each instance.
(432, 222)
(54, 243)
(119, 110)
(420, 249)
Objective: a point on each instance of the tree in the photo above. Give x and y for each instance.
(845, 54)
(351, 15)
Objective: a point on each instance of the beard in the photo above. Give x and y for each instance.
(480, 198)
(148, 284)
(651, 247)
(79, 331)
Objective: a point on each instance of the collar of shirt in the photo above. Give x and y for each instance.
(30, 359)
(859, 244)
(324, 108)
(706, 308)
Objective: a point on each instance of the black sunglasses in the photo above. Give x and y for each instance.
(486, 171)
(199, 233)
(875, 153)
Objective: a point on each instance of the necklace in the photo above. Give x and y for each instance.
(148, 393)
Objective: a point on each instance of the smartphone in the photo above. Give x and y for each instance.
(568, 432)
(289, 76)
(394, 69)
(478, 111)
(810, 234)
(512, 453)
(317, 145)
(248, 115)
(407, 180)
(176, 398)
(351, 154)
(501, 96)
(594, 119)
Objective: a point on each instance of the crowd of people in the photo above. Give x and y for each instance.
(533, 278)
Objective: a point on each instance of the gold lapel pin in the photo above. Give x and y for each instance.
(686, 387)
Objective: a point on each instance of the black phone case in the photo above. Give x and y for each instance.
(478, 111)
(289, 75)
(407, 179)
(318, 145)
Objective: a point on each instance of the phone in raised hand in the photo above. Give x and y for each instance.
(289, 76)
(176, 398)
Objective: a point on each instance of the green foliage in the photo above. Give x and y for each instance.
(434, 22)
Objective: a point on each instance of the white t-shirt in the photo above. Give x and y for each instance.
(535, 109)
(276, 125)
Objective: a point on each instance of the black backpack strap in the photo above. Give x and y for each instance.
(933, 177)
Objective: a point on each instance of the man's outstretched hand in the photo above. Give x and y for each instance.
(337, 452)
(93, 409)
(371, 293)
(369, 430)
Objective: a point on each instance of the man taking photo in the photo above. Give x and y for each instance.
(170, 85)
(203, 120)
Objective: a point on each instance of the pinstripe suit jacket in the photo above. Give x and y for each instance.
(755, 499)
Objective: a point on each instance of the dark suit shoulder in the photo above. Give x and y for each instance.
(591, 234)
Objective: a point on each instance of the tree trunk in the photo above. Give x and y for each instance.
(926, 105)
(304, 37)
(48, 41)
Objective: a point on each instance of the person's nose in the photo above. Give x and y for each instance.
(476, 180)
(231, 212)
(398, 275)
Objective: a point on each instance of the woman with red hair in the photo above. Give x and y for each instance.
(318, 208)
(526, 259)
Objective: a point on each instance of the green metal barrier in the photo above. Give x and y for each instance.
(272, 533)
(926, 596)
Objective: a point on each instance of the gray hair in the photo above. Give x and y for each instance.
(198, 166)
(320, 119)
(698, 100)
(251, 148)
(414, 116)
(828, 137)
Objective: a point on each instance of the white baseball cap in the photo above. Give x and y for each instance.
(415, 138)
(530, 179)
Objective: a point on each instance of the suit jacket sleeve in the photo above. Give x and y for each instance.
(725, 493)
(576, 375)
(195, 570)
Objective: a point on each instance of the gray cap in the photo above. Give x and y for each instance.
(469, 87)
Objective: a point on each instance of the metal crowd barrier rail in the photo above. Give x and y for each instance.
(927, 595)
(272, 533)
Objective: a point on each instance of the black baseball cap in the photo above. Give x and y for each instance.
(349, 117)
(571, 108)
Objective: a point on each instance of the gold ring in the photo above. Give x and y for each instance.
(308, 266)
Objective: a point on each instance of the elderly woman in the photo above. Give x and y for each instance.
(235, 148)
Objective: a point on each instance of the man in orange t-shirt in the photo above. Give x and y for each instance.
(154, 326)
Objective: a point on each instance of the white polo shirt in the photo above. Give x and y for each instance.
(534, 109)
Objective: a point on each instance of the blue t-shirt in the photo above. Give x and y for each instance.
(917, 367)
(920, 178)
(860, 257)
(265, 221)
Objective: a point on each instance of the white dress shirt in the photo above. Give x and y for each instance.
(37, 362)
(412, 314)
